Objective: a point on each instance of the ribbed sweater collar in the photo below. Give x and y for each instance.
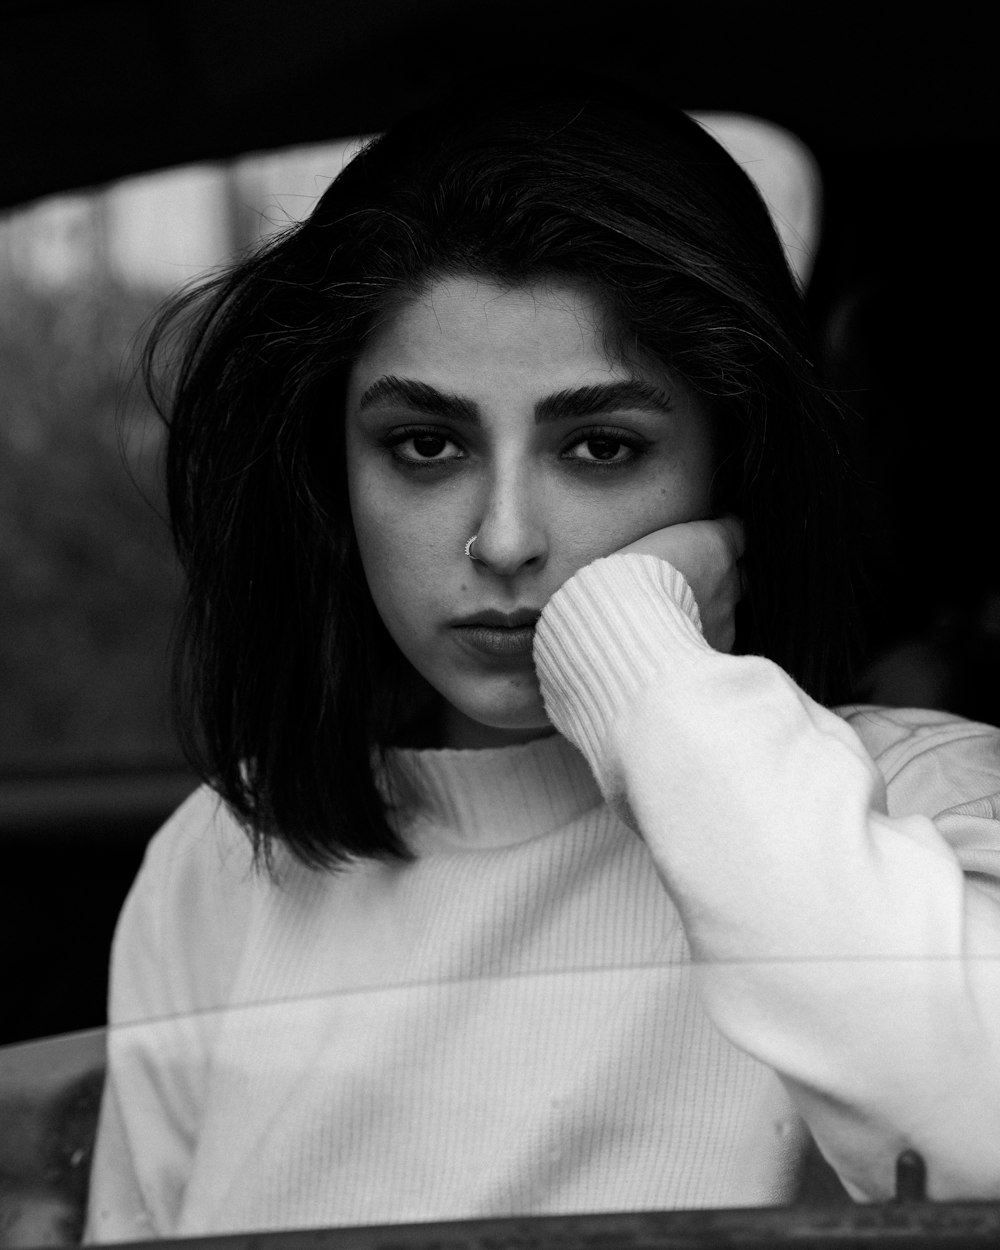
(482, 800)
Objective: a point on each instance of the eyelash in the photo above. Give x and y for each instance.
(394, 441)
(605, 433)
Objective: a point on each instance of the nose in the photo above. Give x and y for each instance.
(512, 532)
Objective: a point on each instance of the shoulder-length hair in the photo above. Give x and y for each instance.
(289, 684)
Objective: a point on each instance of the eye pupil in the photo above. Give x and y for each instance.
(603, 448)
(428, 444)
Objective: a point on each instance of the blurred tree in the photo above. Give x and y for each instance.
(87, 577)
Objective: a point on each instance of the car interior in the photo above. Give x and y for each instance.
(872, 131)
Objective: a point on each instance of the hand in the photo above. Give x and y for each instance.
(706, 552)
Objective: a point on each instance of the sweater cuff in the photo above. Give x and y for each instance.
(603, 636)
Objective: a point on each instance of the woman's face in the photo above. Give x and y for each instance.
(479, 409)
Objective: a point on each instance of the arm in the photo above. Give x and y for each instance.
(839, 945)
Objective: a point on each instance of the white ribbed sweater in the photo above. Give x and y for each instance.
(513, 1024)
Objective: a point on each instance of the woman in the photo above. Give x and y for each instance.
(570, 894)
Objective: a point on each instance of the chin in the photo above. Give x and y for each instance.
(473, 726)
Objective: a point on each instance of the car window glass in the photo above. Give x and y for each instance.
(51, 1094)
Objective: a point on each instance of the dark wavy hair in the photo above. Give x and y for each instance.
(289, 685)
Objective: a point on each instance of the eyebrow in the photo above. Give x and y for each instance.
(574, 402)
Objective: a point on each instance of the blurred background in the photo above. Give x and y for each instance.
(89, 765)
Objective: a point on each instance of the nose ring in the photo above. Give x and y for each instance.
(468, 549)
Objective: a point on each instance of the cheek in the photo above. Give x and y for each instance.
(400, 553)
(685, 488)
(670, 495)
(375, 512)
(377, 529)
(387, 548)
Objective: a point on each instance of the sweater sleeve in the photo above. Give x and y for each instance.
(841, 946)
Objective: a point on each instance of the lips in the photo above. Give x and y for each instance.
(493, 618)
(495, 633)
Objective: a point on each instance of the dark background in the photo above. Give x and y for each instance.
(897, 103)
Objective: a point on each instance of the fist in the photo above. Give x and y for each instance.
(707, 553)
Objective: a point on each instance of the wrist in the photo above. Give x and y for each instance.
(604, 636)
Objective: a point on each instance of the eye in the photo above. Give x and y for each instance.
(604, 448)
(423, 447)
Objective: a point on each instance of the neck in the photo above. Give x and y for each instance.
(433, 724)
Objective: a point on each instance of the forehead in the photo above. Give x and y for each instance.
(469, 333)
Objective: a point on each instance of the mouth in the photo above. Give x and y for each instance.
(496, 633)
(492, 618)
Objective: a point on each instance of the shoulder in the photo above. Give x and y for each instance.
(932, 752)
(185, 918)
(199, 834)
(939, 765)
(199, 860)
